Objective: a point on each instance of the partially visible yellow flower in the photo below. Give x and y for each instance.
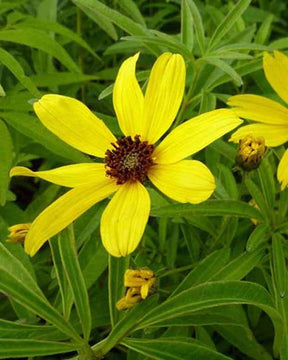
(271, 116)
(132, 298)
(127, 161)
(18, 233)
(250, 152)
(142, 278)
(140, 283)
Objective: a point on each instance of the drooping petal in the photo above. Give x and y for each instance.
(274, 135)
(64, 211)
(124, 219)
(259, 108)
(70, 175)
(193, 135)
(74, 123)
(164, 95)
(282, 172)
(184, 181)
(276, 72)
(128, 99)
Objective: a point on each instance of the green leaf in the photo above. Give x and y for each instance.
(131, 9)
(19, 284)
(75, 277)
(41, 41)
(259, 235)
(65, 289)
(198, 24)
(30, 126)
(209, 208)
(101, 21)
(13, 65)
(227, 23)
(214, 294)
(222, 65)
(11, 348)
(46, 25)
(17, 330)
(264, 30)
(238, 268)
(279, 264)
(204, 271)
(117, 268)
(6, 155)
(187, 35)
(173, 349)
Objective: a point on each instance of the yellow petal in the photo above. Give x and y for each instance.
(128, 99)
(274, 135)
(193, 135)
(70, 175)
(74, 123)
(164, 95)
(259, 108)
(276, 72)
(184, 181)
(282, 172)
(64, 211)
(124, 219)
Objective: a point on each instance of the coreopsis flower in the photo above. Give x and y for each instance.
(17, 233)
(270, 116)
(250, 152)
(129, 160)
(140, 284)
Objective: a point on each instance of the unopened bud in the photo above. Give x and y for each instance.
(250, 152)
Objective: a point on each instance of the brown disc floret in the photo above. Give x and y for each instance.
(129, 160)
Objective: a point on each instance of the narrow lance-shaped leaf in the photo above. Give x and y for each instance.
(209, 208)
(18, 348)
(173, 349)
(14, 66)
(41, 41)
(16, 281)
(279, 264)
(75, 277)
(227, 23)
(187, 31)
(198, 24)
(117, 268)
(6, 156)
(213, 294)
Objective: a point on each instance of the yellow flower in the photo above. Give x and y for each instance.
(142, 278)
(250, 152)
(128, 160)
(271, 116)
(131, 298)
(18, 233)
(140, 284)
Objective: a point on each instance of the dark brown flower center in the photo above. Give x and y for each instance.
(129, 160)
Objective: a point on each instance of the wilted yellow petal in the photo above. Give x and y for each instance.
(274, 135)
(259, 108)
(163, 96)
(128, 99)
(193, 135)
(282, 172)
(184, 181)
(63, 211)
(124, 219)
(74, 123)
(276, 72)
(70, 175)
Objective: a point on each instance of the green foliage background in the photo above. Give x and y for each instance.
(222, 281)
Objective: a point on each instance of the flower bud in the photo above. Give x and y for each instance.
(250, 152)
